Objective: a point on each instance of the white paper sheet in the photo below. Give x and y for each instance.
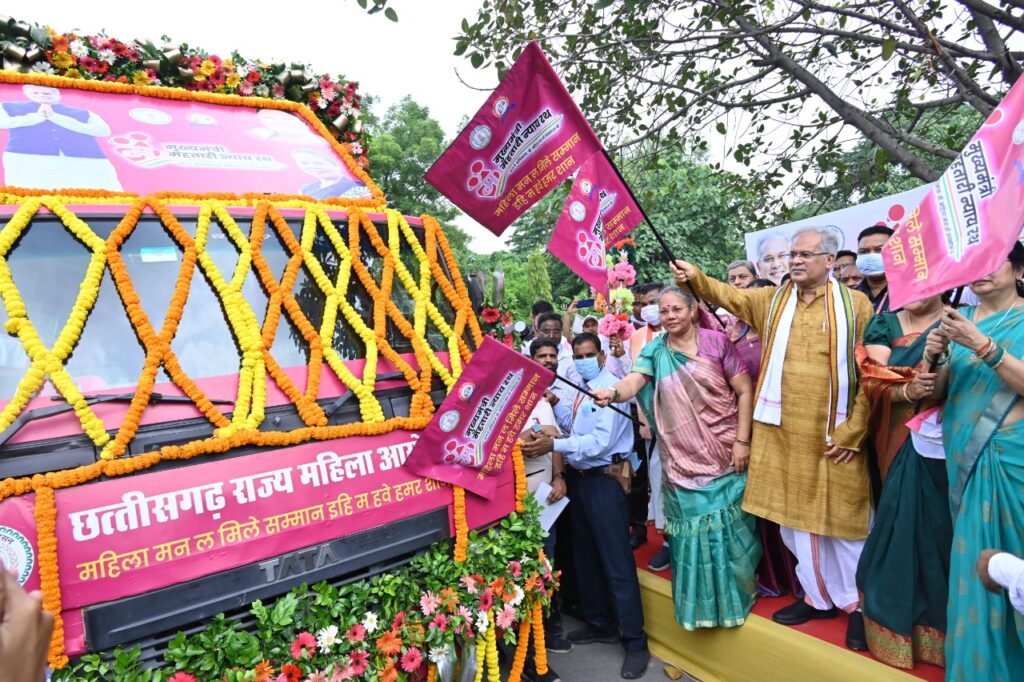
(548, 512)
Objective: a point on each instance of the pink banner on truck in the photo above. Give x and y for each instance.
(56, 138)
(598, 211)
(473, 432)
(526, 139)
(129, 535)
(967, 223)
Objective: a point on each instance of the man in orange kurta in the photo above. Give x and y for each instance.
(812, 483)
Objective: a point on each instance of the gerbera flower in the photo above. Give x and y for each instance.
(264, 671)
(389, 643)
(515, 568)
(411, 660)
(440, 622)
(389, 673)
(370, 621)
(490, 315)
(342, 674)
(429, 603)
(327, 638)
(506, 617)
(317, 676)
(487, 599)
(440, 654)
(483, 621)
(356, 633)
(517, 596)
(303, 645)
(358, 660)
(398, 621)
(291, 672)
(182, 676)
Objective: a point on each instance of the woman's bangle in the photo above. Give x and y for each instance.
(997, 358)
(743, 442)
(940, 361)
(905, 393)
(985, 348)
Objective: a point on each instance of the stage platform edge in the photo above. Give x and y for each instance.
(760, 650)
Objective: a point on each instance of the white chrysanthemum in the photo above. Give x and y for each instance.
(108, 56)
(370, 621)
(517, 596)
(262, 90)
(483, 621)
(327, 638)
(79, 48)
(439, 654)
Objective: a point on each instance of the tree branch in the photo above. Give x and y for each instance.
(1002, 16)
(1009, 66)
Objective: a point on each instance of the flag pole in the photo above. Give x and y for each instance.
(932, 366)
(657, 235)
(591, 395)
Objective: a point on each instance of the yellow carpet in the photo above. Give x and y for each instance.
(760, 650)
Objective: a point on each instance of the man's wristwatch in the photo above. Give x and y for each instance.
(615, 394)
(557, 474)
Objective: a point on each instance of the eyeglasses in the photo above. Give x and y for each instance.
(805, 255)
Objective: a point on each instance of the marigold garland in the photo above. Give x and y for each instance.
(432, 673)
(519, 468)
(461, 525)
(540, 650)
(49, 575)
(481, 654)
(493, 668)
(522, 645)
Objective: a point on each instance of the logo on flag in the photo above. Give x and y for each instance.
(526, 139)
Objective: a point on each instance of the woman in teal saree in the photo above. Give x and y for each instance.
(979, 353)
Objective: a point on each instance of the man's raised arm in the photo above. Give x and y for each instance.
(748, 305)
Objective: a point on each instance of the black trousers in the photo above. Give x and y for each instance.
(639, 497)
(605, 570)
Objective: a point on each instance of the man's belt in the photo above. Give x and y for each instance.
(620, 471)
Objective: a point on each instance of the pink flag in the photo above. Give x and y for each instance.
(526, 139)
(599, 211)
(471, 436)
(967, 223)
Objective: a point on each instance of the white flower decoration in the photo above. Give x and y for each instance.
(517, 596)
(327, 638)
(483, 621)
(370, 621)
(79, 49)
(439, 654)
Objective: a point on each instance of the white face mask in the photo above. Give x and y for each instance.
(650, 314)
(871, 264)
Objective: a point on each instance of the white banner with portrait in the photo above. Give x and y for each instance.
(766, 248)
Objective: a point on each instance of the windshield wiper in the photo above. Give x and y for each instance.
(43, 412)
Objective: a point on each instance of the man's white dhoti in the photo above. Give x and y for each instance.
(826, 567)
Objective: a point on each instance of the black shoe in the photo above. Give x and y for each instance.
(530, 674)
(800, 612)
(588, 636)
(635, 664)
(555, 642)
(573, 610)
(660, 561)
(855, 637)
(638, 536)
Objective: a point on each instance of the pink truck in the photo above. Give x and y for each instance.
(270, 434)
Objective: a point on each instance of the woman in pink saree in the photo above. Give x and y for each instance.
(701, 395)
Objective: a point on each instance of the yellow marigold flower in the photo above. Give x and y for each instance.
(207, 67)
(62, 60)
(233, 80)
(140, 78)
(72, 73)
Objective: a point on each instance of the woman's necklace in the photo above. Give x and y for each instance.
(929, 321)
(1008, 311)
(671, 343)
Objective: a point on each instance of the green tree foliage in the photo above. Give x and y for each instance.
(785, 82)
(402, 147)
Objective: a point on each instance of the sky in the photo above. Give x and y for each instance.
(390, 60)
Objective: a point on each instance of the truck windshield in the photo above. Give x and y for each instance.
(48, 265)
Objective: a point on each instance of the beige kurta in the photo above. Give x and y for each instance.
(790, 481)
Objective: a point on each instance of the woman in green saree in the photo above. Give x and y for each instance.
(981, 373)
(903, 574)
(695, 384)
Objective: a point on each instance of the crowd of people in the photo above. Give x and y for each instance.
(791, 433)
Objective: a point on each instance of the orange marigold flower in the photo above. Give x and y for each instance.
(389, 644)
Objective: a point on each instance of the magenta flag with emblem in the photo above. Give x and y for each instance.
(469, 441)
(527, 138)
(969, 220)
(598, 211)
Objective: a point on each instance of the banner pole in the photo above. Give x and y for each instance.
(591, 395)
(955, 303)
(657, 235)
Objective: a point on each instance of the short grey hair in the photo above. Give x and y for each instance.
(672, 289)
(741, 264)
(829, 242)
